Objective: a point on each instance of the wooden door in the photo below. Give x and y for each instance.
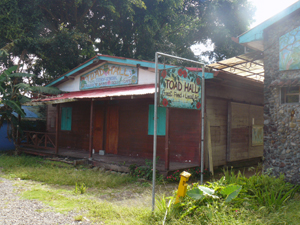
(112, 129)
(98, 128)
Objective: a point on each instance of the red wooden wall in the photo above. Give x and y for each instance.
(132, 125)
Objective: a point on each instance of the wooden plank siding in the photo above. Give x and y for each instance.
(133, 130)
(184, 135)
(216, 111)
(242, 116)
(121, 126)
(78, 136)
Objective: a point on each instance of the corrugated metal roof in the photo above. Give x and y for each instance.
(97, 93)
(249, 65)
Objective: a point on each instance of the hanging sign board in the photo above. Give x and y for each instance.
(109, 75)
(179, 88)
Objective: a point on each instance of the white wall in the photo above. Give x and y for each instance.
(145, 76)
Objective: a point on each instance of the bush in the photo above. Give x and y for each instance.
(145, 172)
(232, 192)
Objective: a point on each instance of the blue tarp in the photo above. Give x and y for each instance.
(5, 144)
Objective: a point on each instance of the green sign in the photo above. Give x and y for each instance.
(179, 88)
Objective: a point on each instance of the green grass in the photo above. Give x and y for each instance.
(116, 199)
(51, 172)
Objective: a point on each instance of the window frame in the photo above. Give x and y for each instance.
(284, 93)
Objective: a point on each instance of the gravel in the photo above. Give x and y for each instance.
(17, 211)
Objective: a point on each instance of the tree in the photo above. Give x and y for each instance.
(58, 35)
(14, 92)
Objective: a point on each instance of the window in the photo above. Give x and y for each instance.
(66, 118)
(290, 95)
(161, 120)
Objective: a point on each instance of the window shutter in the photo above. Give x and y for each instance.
(66, 118)
(161, 120)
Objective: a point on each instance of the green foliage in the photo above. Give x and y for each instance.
(57, 35)
(51, 172)
(144, 172)
(15, 91)
(231, 192)
(234, 191)
(80, 189)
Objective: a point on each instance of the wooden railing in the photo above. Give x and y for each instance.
(39, 140)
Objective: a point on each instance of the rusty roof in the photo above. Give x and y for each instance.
(249, 65)
(96, 94)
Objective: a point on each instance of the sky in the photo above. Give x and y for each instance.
(268, 8)
(264, 10)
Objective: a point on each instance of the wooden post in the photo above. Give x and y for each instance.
(228, 133)
(57, 127)
(167, 162)
(209, 148)
(91, 128)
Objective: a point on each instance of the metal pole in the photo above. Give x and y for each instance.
(155, 119)
(202, 121)
(155, 133)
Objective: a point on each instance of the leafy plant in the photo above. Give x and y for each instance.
(145, 172)
(80, 188)
(15, 90)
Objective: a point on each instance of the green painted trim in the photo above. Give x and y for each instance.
(118, 60)
(161, 120)
(256, 33)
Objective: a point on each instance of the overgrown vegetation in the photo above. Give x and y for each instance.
(223, 200)
(108, 198)
(144, 172)
(51, 172)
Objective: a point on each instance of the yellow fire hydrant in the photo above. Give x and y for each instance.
(182, 185)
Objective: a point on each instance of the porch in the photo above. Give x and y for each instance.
(44, 144)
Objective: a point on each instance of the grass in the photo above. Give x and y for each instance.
(115, 199)
(51, 172)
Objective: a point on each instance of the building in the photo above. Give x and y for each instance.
(106, 114)
(277, 40)
(34, 119)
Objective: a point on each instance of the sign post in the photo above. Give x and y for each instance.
(179, 88)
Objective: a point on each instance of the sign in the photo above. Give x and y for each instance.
(108, 75)
(289, 57)
(180, 88)
(257, 135)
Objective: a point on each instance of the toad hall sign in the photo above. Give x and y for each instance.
(179, 88)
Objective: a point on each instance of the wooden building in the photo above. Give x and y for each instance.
(107, 110)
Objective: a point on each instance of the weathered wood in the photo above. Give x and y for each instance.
(243, 116)
(133, 130)
(91, 128)
(184, 135)
(228, 133)
(39, 140)
(98, 128)
(167, 162)
(112, 129)
(57, 128)
(210, 155)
